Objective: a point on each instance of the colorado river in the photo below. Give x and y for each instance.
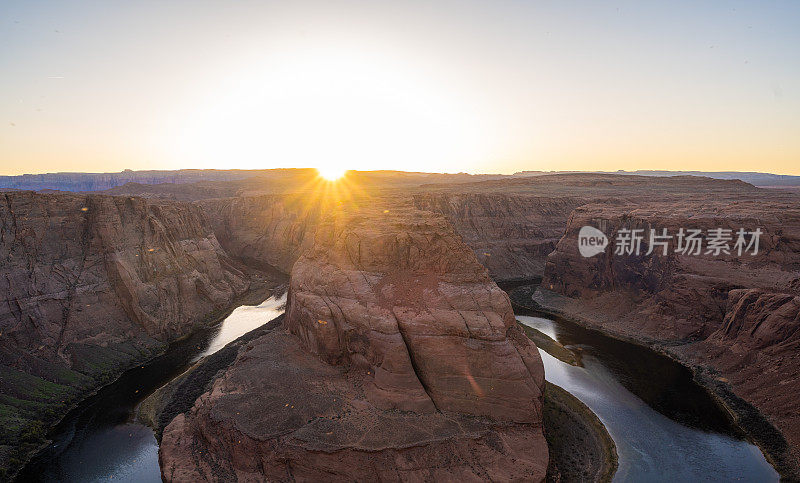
(666, 427)
(101, 440)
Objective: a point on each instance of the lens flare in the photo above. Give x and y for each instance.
(331, 173)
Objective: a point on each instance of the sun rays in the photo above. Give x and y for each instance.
(331, 173)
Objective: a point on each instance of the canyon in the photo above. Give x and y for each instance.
(397, 346)
(734, 314)
(398, 359)
(92, 285)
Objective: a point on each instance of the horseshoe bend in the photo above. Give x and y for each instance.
(398, 356)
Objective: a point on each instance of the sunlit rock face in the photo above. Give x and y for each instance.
(90, 285)
(399, 359)
(401, 297)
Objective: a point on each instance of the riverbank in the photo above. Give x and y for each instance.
(261, 287)
(179, 394)
(580, 447)
(742, 414)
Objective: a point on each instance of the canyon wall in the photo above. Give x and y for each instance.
(511, 234)
(90, 285)
(399, 359)
(738, 314)
(392, 322)
(103, 181)
(513, 224)
(266, 230)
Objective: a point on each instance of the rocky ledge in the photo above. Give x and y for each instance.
(398, 358)
(733, 317)
(90, 285)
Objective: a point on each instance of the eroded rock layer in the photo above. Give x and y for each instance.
(90, 285)
(513, 224)
(738, 314)
(399, 358)
(266, 230)
(511, 234)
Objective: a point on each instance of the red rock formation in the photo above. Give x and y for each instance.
(511, 234)
(405, 299)
(90, 285)
(738, 315)
(420, 372)
(513, 224)
(268, 230)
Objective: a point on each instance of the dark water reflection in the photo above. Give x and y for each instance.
(101, 440)
(666, 427)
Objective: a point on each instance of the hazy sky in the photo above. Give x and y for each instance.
(490, 86)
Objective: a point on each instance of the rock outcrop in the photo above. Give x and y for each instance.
(512, 224)
(399, 359)
(266, 230)
(511, 234)
(89, 285)
(736, 314)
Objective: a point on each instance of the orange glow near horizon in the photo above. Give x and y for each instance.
(331, 173)
(488, 87)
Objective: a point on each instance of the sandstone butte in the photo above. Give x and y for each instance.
(399, 358)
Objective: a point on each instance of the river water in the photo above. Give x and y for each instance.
(666, 427)
(101, 440)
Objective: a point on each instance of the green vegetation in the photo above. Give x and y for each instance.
(31, 403)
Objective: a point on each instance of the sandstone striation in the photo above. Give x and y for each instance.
(90, 285)
(512, 224)
(511, 234)
(265, 230)
(735, 314)
(399, 358)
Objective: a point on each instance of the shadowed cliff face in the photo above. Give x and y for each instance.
(387, 311)
(513, 224)
(90, 285)
(738, 314)
(691, 289)
(511, 235)
(267, 230)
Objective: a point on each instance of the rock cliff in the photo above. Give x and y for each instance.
(735, 314)
(512, 224)
(266, 230)
(399, 358)
(89, 285)
(511, 234)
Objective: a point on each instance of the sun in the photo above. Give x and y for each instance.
(331, 173)
(333, 106)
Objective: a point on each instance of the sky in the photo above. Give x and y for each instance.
(477, 86)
